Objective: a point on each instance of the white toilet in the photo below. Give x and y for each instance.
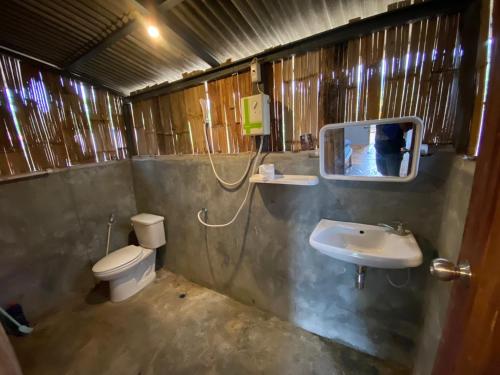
(132, 268)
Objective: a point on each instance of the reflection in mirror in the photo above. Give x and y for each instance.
(364, 150)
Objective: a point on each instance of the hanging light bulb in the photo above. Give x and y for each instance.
(153, 31)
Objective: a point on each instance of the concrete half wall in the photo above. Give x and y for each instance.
(53, 229)
(455, 207)
(265, 259)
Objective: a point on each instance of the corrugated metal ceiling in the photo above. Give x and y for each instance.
(241, 28)
(61, 31)
(131, 63)
(56, 31)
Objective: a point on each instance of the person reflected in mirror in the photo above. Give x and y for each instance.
(389, 146)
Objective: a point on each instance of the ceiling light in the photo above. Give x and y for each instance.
(153, 31)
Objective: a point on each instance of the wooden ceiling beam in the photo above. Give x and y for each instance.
(105, 43)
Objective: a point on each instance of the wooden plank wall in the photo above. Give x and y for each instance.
(404, 70)
(49, 121)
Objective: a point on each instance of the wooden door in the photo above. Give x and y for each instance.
(471, 338)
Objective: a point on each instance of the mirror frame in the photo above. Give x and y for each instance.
(418, 133)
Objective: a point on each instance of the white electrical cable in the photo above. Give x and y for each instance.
(258, 88)
(244, 200)
(220, 179)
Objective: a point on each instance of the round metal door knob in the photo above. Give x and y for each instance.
(445, 270)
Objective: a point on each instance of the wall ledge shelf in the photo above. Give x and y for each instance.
(286, 179)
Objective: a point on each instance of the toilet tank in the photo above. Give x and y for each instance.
(149, 230)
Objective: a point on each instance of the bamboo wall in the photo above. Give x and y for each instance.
(404, 70)
(173, 123)
(49, 121)
(482, 77)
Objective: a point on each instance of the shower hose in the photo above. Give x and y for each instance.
(222, 181)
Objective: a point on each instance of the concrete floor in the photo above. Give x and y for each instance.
(159, 332)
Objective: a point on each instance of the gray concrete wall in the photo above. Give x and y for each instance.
(53, 229)
(265, 259)
(455, 206)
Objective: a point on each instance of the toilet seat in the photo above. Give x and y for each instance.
(118, 260)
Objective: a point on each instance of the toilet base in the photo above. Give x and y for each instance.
(134, 280)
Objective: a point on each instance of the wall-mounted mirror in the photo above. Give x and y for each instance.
(374, 150)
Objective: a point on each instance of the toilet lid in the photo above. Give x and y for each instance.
(118, 258)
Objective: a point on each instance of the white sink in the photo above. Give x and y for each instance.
(365, 245)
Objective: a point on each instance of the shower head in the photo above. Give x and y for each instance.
(111, 220)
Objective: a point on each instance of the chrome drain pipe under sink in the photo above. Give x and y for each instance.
(360, 276)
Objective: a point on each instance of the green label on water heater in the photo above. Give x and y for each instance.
(248, 125)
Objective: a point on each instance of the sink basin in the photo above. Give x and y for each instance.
(366, 245)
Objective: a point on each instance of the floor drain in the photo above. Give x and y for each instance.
(182, 295)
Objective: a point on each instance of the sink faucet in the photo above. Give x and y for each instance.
(398, 228)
